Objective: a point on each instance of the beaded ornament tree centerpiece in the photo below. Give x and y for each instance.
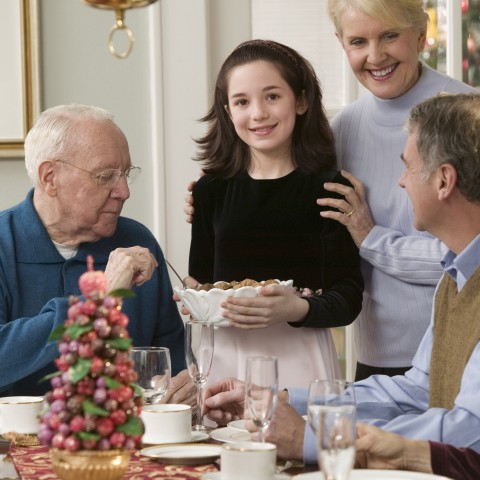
(92, 420)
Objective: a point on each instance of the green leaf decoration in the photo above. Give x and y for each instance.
(79, 370)
(119, 343)
(49, 376)
(110, 382)
(89, 436)
(121, 292)
(57, 334)
(133, 426)
(137, 390)
(90, 407)
(76, 331)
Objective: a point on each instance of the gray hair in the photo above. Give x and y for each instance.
(448, 131)
(49, 135)
(400, 14)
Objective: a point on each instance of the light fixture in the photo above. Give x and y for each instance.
(120, 6)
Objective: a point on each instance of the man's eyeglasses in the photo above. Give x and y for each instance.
(109, 178)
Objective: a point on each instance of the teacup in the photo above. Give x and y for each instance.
(167, 423)
(20, 414)
(248, 461)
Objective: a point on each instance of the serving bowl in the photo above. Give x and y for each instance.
(204, 305)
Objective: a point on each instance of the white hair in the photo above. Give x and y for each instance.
(49, 135)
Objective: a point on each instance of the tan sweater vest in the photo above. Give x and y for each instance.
(456, 332)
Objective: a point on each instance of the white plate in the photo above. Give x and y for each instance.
(375, 475)
(218, 476)
(237, 424)
(230, 435)
(184, 454)
(196, 437)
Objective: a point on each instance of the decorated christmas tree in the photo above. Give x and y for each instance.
(93, 403)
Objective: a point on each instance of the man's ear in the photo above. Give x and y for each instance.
(447, 180)
(47, 177)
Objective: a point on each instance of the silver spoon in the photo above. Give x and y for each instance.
(176, 273)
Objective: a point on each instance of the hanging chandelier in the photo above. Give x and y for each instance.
(120, 6)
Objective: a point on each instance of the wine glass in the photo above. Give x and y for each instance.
(261, 390)
(321, 392)
(331, 414)
(153, 366)
(198, 355)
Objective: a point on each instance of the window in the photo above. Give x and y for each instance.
(305, 26)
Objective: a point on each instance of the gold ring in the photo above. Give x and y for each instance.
(351, 213)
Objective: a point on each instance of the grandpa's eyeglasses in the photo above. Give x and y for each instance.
(109, 178)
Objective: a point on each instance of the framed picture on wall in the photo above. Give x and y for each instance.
(19, 73)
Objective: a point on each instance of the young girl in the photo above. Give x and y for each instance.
(267, 154)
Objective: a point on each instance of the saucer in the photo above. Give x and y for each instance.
(230, 435)
(237, 424)
(196, 437)
(218, 476)
(181, 454)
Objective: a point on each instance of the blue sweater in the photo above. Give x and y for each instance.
(35, 282)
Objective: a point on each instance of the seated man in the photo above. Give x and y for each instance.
(79, 163)
(437, 399)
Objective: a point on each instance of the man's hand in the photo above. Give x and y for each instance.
(377, 448)
(225, 400)
(129, 266)
(181, 390)
(286, 431)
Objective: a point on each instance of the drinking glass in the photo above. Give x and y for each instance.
(323, 392)
(261, 390)
(198, 356)
(153, 366)
(331, 414)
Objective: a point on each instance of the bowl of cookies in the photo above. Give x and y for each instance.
(204, 303)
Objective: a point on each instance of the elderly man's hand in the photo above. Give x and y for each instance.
(377, 448)
(181, 390)
(225, 400)
(129, 266)
(286, 431)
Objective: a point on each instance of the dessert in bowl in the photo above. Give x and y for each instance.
(205, 302)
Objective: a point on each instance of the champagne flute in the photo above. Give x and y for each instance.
(331, 414)
(153, 366)
(321, 392)
(261, 391)
(198, 355)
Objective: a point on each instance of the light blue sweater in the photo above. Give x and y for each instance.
(400, 265)
(35, 282)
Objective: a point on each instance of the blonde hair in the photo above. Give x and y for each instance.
(401, 14)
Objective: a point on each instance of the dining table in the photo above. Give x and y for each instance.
(34, 463)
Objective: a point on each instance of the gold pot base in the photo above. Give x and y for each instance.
(90, 464)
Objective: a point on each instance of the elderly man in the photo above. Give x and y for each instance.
(79, 163)
(437, 399)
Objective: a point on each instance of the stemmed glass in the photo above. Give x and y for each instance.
(331, 414)
(153, 366)
(199, 355)
(261, 390)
